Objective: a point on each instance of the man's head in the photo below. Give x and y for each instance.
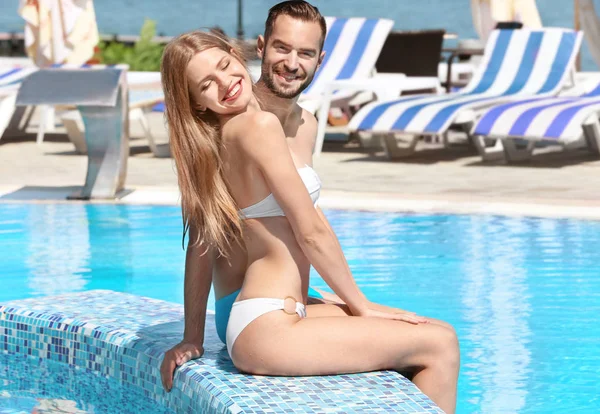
(291, 49)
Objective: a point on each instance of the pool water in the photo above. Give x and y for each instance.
(522, 293)
(29, 385)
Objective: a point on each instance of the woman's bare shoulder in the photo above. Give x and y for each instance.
(254, 119)
(253, 127)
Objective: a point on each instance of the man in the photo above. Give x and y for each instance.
(291, 52)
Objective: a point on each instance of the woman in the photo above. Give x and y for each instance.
(242, 186)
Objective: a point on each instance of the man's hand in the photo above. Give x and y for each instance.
(176, 357)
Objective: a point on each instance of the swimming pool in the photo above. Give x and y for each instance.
(41, 386)
(522, 293)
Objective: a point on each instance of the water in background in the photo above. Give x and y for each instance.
(126, 16)
(522, 293)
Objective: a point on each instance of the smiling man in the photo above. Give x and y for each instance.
(291, 49)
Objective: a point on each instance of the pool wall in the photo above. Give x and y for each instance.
(124, 336)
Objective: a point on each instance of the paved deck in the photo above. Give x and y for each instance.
(435, 179)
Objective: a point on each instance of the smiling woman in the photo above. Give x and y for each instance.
(217, 81)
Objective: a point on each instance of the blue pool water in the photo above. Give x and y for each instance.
(523, 294)
(28, 385)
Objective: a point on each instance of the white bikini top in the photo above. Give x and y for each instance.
(268, 206)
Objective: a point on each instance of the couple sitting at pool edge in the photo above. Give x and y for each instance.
(243, 155)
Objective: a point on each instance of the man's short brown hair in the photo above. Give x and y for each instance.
(297, 9)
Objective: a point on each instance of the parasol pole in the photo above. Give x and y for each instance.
(577, 28)
(240, 21)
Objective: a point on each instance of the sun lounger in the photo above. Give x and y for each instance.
(101, 97)
(140, 102)
(145, 92)
(351, 47)
(10, 79)
(11, 76)
(516, 64)
(516, 127)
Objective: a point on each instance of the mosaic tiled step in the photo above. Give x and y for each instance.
(125, 336)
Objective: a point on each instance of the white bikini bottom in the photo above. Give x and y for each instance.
(245, 311)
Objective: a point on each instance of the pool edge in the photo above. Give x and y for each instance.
(113, 349)
(348, 200)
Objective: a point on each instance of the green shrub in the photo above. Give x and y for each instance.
(144, 55)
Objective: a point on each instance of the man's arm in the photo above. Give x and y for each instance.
(198, 278)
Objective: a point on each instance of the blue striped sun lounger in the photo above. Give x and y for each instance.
(563, 120)
(12, 76)
(516, 64)
(351, 47)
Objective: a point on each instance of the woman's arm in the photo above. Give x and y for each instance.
(407, 316)
(196, 285)
(262, 140)
(198, 278)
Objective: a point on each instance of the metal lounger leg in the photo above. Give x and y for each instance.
(395, 151)
(107, 141)
(515, 152)
(591, 132)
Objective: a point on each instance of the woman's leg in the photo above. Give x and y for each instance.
(339, 309)
(320, 309)
(280, 344)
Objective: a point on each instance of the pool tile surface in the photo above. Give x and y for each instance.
(124, 337)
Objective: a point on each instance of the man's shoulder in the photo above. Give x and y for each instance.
(301, 127)
(306, 124)
(308, 119)
(309, 127)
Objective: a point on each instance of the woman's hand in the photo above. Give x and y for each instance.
(176, 357)
(374, 310)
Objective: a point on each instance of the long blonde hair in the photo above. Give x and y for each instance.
(195, 142)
